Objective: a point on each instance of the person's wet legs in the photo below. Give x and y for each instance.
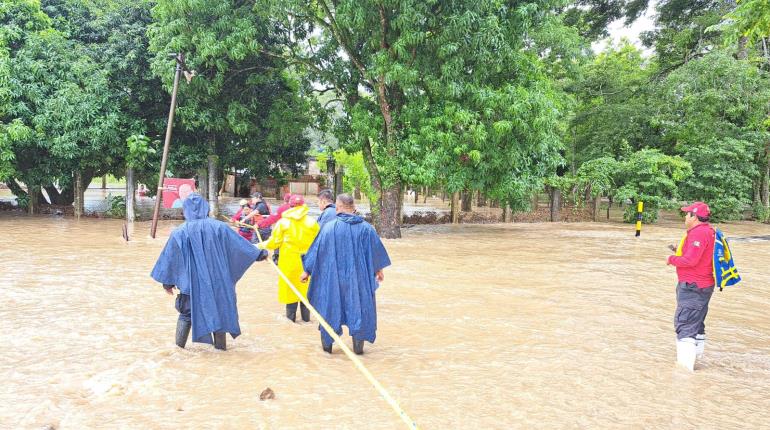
(184, 322)
(291, 311)
(220, 341)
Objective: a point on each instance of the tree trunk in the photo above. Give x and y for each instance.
(33, 192)
(507, 213)
(535, 201)
(104, 182)
(494, 204)
(755, 187)
(425, 195)
(743, 51)
(223, 182)
(203, 183)
(16, 190)
(357, 193)
(130, 195)
(213, 200)
(597, 207)
(79, 195)
(609, 205)
(375, 207)
(764, 191)
(331, 175)
(555, 204)
(63, 198)
(467, 200)
(390, 215)
(455, 208)
(481, 201)
(416, 195)
(339, 174)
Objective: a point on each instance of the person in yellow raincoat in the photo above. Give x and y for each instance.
(292, 235)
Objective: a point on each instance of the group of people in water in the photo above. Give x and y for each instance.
(335, 261)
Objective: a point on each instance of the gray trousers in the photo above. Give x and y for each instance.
(692, 305)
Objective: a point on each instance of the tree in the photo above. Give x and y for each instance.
(653, 178)
(243, 107)
(749, 20)
(712, 111)
(612, 116)
(425, 83)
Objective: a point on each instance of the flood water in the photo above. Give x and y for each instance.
(480, 326)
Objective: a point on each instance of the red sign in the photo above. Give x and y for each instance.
(175, 190)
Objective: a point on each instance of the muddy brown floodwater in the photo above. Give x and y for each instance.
(480, 326)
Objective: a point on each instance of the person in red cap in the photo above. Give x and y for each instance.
(695, 274)
(292, 236)
(265, 224)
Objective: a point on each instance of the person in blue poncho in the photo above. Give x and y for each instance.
(326, 204)
(204, 258)
(346, 262)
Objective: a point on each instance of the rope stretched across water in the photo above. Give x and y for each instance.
(359, 365)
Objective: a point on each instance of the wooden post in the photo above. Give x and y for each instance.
(166, 143)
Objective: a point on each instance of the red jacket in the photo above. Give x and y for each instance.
(272, 219)
(696, 263)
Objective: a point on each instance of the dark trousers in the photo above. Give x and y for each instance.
(182, 305)
(692, 305)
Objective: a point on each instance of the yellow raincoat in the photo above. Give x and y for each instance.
(293, 234)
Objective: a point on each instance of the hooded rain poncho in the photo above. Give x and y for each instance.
(293, 235)
(343, 262)
(204, 258)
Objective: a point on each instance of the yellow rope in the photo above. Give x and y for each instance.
(360, 365)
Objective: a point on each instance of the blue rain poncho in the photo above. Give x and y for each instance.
(204, 258)
(328, 214)
(343, 262)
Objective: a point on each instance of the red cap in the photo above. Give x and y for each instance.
(286, 197)
(296, 200)
(698, 208)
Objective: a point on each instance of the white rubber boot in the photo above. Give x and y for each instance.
(700, 345)
(685, 353)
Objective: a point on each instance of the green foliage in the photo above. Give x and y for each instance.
(681, 32)
(442, 93)
(761, 213)
(242, 105)
(612, 117)
(598, 177)
(139, 150)
(712, 112)
(356, 175)
(116, 206)
(652, 177)
(750, 19)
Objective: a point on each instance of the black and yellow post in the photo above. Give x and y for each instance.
(639, 210)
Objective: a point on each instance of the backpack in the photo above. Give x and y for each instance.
(725, 272)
